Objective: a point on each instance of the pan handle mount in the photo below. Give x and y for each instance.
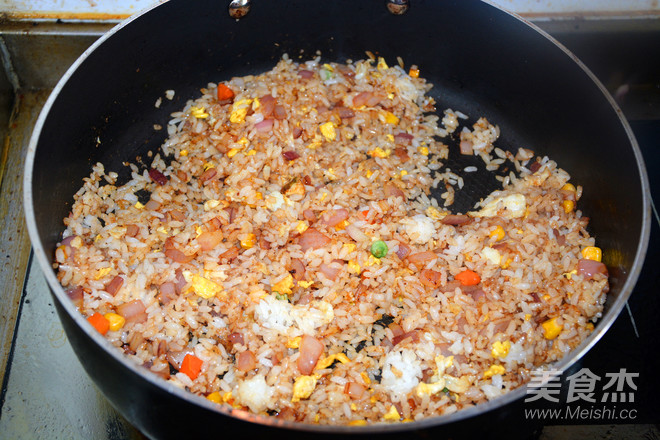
(239, 8)
(398, 7)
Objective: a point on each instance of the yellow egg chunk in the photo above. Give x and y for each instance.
(303, 387)
(328, 131)
(551, 329)
(493, 370)
(500, 349)
(283, 286)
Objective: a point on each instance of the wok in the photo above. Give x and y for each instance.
(482, 60)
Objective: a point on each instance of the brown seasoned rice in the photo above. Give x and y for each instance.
(258, 229)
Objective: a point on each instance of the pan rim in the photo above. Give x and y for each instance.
(573, 356)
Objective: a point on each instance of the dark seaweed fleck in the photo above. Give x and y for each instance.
(378, 376)
(384, 320)
(360, 346)
(143, 196)
(173, 370)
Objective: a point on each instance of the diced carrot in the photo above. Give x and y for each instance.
(468, 278)
(224, 92)
(191, 366)
(100, 323)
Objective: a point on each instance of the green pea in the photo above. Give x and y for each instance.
(379, 249)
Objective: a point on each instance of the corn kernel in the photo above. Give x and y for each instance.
(570, 274)
(232, 152)
(590, 326)
(353, 407)
(592, 253)
(116, 321)
(413, 72)
(497, 233)
(251, 153)
(506, 264)
(382, 65)
(546, 297)
(569, 206)
(139, 205)
(528, 316)
(215, 397)
(365, 378)
(305, 284)
(249, 241)
(423, 150)
(551, 329)
(389, 137)
(500, 349)
(404, 173)
(493, 370)
(569, 187)
(183, 153)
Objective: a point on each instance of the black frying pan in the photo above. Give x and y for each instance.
(483, 62)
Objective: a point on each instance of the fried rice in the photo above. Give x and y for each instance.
(283, 254)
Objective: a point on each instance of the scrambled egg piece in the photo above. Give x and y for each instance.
(382, 65)
(500, 349)
(457, 384)
(284, 286)
(301, 227)
(551, 329)
(328, 131)
(429, 388)
(211, 204)
(390, 118)
(239, 111)
(199, 112)
(493, 370)
(513, 206)
(392, 415)
(379, 152)
(274, 201)
(328, 360)
(102, 272)
(353, 266)
(491, 255)
(435, 213)
(293, 342)
(202, 286)
(305, 284)
(303, 388)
